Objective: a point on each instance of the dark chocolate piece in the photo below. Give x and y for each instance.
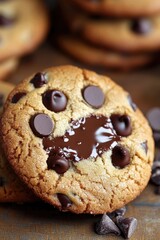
(55, 100)
(155, 177)
(106, 226)
(18, 96)
(5, 21)
(41, 125)
(131, 103)
(141, 26)
(58, 163)
(1, 99)
(64, 200)
(153, 116)
(145, 146)
(120, 156)
(39, 80)
(122, 124)
(87, 137)
(127, 225)
(94, 96)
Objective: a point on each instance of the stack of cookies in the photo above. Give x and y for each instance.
(23, 26)
(123, 34)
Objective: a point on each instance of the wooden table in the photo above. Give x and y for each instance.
(42, 222)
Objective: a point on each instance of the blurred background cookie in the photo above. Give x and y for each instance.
(101, 36)
(23, 26)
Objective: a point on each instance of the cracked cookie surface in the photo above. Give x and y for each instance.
(78, 140)
(11, 188)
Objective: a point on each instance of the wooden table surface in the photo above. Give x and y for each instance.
(42, 222)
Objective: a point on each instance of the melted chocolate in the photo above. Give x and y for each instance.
(87, 137)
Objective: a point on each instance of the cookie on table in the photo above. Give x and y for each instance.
(120, 8)
(11, 188)
(77, 140)
(7, 67)
(23, 26)
(130, 35)
(94, 56)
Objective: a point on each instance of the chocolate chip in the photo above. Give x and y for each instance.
(1, 99)
(58, 163)
(41, 125)
(145, 146)
(153, 116)
(156, 164)
(127, 225)
(122, 124)
(120, 156)
(106, 226)
(141, 26)
(118, 212)
(2, 182)
(5, 21)
(39, 80)
(55, 100)
(155, 177)
(94, 96)
(157, 190)
(64, 200)
(156, 136)
(131, 103)
(18, 96)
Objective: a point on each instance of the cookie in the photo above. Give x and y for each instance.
(94, 56)
(77, 140)
(128, 35)
(19, 26)
(11, 188)
(7, 67)
(122, 8)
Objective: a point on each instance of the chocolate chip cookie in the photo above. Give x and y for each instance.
(121, 8)
(23, 26)
(77, 140)
(128, 35)
(11, 188)
(94, 56)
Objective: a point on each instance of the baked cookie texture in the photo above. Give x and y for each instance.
(122, 8)
(11, 188)
(77, 140)
(23, 26)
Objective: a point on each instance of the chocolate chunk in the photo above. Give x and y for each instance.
(5, 21)
(154, 118)
(122, 124)
(64, 200)
(94, 96)
(141, 26)
(18, 96)
(41, 125)
(156, 164)
(106, 226)
(58, 163)
(157, 190)
(39, 80)
(131, 103)
(86, 137)
(120, 156)
(2, 182)
(155, 177)
(145, 146)
(55, 100)
(1, 99)
(156, 136)
(118, 212)
(127, 225)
